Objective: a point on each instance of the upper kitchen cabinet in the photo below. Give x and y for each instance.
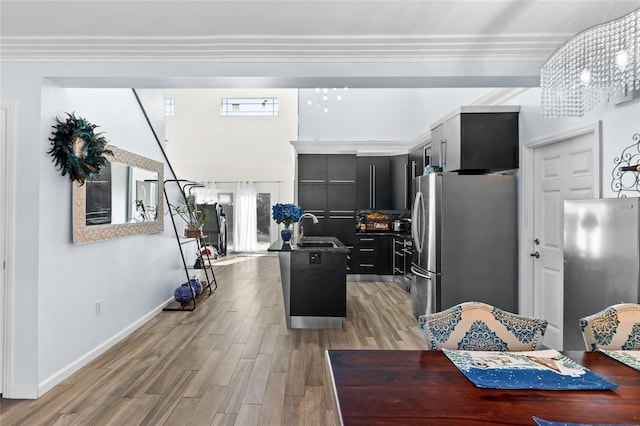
(477, 139)
(327, 168)
(341, 168)
(373, 183)
(327, 189)
(400, 182)
(312, 168)
(416, 162)
(421, 157)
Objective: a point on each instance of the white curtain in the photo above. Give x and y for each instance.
(245, 231)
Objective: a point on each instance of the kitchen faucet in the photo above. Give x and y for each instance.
(300, 234)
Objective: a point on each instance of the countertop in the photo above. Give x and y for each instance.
(278, 245)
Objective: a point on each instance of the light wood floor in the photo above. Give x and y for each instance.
(232, 361)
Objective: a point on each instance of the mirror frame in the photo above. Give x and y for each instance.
(87, 234)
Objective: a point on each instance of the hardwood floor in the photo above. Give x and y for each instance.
(232, 361)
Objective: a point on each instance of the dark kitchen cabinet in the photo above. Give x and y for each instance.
(372, 254)
(341, 198)
(477, 140)
(327, 168)
(400, 182)
(416, 162)
(373, 183)
(318, 287)
(312, 168)
(341, 168)
(329, 196)
(312, 197)
(341, 211)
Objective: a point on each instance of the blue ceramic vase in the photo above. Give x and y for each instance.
(184, 294)
(197, 285)
(286, 234)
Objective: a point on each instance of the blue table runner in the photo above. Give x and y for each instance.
(545, 370)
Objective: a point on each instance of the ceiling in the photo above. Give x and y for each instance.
(504, 41)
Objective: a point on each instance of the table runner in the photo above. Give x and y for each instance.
(630, 358)
(542, 422)
(547, 369)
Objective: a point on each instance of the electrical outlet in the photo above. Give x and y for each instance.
(98, 307)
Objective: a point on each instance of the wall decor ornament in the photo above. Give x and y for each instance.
(77, 149)
(626, 170)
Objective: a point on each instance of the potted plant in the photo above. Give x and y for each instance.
(194, 216)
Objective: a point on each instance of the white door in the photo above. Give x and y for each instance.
(565, 169)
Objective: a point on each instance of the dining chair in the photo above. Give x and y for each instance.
(476, 326)
(616, 328)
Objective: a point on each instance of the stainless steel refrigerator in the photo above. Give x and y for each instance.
(601, 265)
(465, 245)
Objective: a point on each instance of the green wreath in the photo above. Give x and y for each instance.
(77, 150)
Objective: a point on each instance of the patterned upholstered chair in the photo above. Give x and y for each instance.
(615, 328)
(475, 326)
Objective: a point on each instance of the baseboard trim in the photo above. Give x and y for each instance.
(62, 374)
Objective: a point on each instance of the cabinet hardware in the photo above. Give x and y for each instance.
(404, 184)
(312, 181)
(370, 186)
(443, 153)
(536, 255)
(374, 187)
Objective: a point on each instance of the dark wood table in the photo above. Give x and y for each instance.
(398, 387)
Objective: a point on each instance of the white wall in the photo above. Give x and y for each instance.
(54, 327)
(380, 114)
(619, 124)
(205, 146)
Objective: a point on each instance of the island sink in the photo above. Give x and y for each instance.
(317, 244)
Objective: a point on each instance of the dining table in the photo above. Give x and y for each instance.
(415, 387)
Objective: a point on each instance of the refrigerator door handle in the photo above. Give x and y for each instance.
(420, 274)
(429, 309)
(417, 227)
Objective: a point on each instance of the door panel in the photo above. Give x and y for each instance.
(312, 168)
(312, 197)
(341, 168)
(562, 170)
(341, 198)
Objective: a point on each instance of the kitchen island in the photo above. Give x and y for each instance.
(314, 281)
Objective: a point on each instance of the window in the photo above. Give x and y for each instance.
(250, 107)
(169, 106)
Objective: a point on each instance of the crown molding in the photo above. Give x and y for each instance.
(280, 48)
(357, 147)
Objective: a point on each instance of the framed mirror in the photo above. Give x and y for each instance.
(125, 199)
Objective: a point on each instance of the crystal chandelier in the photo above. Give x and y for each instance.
(593, 66)
(322, 98)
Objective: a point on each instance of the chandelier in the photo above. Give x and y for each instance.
(592, 67)
(322, 98)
